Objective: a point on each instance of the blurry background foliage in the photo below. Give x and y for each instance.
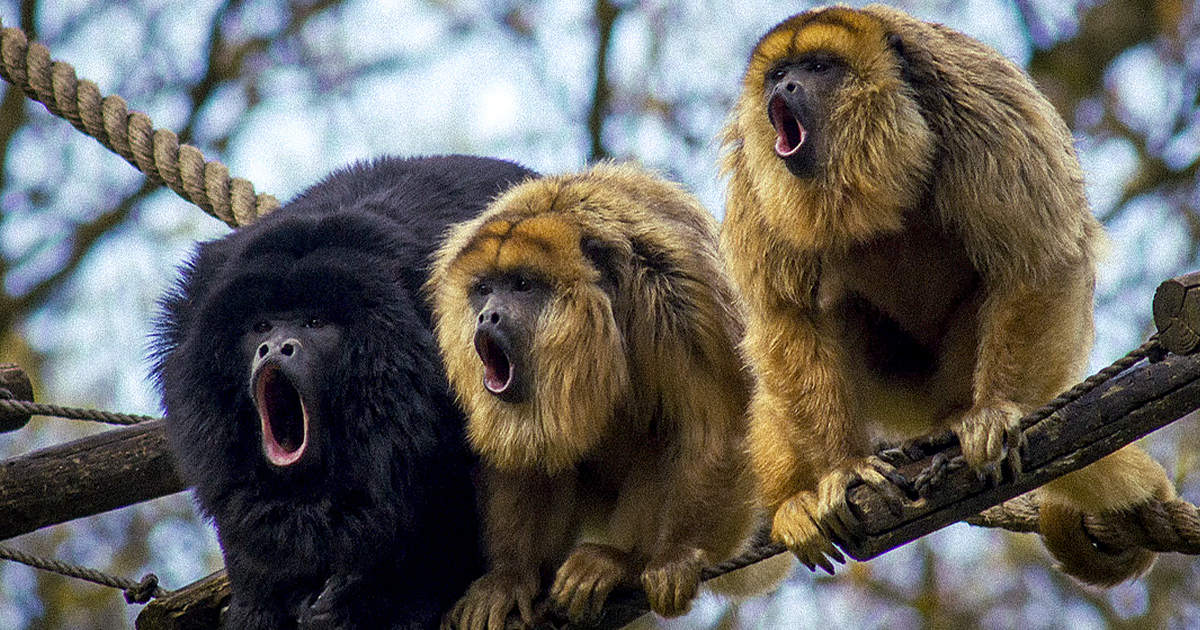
(284, 91)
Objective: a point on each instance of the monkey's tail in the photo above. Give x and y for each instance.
(1082, 557)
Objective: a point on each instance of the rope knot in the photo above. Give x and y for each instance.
(144, 591)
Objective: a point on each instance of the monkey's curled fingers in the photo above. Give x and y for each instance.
(796, 527)
(584, 581)
(990, 436)
(836, 516)
(672, 579)
(323, 612)
(488, 601)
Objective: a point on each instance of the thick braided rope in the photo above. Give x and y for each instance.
(135, 592)
(130, 134)
(15, 407)
(1161, 526)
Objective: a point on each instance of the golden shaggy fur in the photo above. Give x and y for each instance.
(634, 437)
(944, 235)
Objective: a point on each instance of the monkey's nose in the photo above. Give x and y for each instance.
(287, 347)
(491, 316)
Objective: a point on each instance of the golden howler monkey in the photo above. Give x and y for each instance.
(907, 224)
(590, 332)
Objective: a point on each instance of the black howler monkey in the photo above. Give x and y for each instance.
(307, 403)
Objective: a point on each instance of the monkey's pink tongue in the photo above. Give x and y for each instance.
(497, 369)
(283, 418)
(790, 133)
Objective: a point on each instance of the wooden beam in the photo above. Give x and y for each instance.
(96, 474)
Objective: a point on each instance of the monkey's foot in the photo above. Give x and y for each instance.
(490, 598)
(672, 579)
(992, 436)
(589, 574)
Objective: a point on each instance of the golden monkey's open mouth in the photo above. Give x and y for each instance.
(283, 416)
(790, 133)
(497, 367)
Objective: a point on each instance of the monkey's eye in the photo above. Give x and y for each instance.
(482, 288)
(817, 67)
(261, 327)
(777, 74)
(522, 284)
(314, 322)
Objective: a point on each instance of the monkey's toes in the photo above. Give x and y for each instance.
(991, 436)
(584, 581)
(795, 527)
(672, 580)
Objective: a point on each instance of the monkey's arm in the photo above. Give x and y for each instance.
(527, 523)
(804, 445)
(1032, 344)
(705, 513)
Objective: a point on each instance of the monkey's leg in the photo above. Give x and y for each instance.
(529, 520)
(800, 431)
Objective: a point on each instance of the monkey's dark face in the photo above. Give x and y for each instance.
(507, 306)
(799, 93)
(288, 358)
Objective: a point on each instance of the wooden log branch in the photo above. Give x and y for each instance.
(196, 607)
(96, 474)
(1177, 313)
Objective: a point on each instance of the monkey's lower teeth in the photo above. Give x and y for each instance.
(790, 133)
(283, 419)
(497, 375)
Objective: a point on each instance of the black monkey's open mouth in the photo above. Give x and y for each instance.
(497, 367)
(790, 133)
(283, 416)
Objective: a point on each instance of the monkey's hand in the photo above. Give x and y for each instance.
(328, 610)
(672, 579)
(808, 522)
(589, 574)
(490, 598)
(991, 436)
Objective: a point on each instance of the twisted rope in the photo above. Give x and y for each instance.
(24, 407)
(135, 592)
(130, 134)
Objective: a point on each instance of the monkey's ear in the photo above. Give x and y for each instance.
(603, 257)
(916, 64)
(919, 70)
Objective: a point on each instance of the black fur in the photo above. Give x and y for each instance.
(380, 529)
